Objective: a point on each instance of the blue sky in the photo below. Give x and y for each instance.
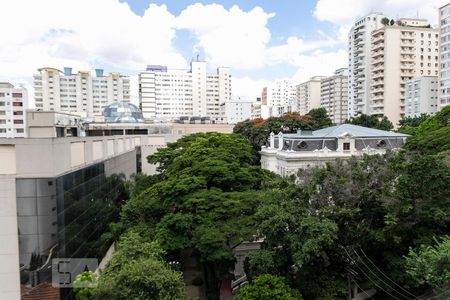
(261, 41)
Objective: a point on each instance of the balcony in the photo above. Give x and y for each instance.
(377, 54)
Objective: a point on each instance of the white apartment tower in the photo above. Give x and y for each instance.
(359, 63)
(279, 93)
(400, 52)
(334, 96)
(169, 94)
(79, 93)
(444, 57)
(308, 95)
(421, 96)
(13, 103)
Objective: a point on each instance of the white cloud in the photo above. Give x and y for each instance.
(248, 87)
(228, 37)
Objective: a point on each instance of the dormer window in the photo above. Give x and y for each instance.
(381, 143)
(346, 146)
(302, 145)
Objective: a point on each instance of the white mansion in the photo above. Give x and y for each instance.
(287, 153)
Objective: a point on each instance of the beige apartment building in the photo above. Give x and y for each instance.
(308, 94)
(408, 49)
(334, 95)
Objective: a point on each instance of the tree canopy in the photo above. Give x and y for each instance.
(257, 131)
(268, 287)
(371, 121)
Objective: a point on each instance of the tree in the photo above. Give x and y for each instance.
(385, 21)
(430, 265)
(137, 271)
(432, 135)
(268, 287)
(320, 118)
(408, 122)
(257, 131)
(205, 202)
(371, 121)
(392, 22)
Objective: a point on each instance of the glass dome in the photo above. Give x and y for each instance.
(122, 112)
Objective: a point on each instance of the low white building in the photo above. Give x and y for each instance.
(13, 103)
(236, 110)
(287, 153)
(421, 96)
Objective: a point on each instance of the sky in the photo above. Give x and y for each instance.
(261, 41)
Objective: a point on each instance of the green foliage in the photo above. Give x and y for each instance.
(137, 271)
(257, 131)
(204, 203)
(432, 135)
(259, 262)
(407, 125)
(371, 121)
(268, 287)
(385, 21)
(84, 284)
(430, 264)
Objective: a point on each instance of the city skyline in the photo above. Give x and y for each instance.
(260, 42)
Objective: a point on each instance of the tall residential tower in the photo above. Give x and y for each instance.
(169, 94)
(359, 63)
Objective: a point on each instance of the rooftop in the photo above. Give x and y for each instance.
(340, 130)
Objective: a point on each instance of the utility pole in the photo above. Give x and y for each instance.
(349, 286)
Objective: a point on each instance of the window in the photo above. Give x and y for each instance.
(18, 121)
(17, 95)
(346, 146)
(18, 113)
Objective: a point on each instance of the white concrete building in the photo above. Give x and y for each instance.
(334, 95)
(79, 93)
(421, 96)
(359, 62)
(277, 98)
(400, 52)
(13, 105)
(308, 95)
(444, 56)
(287, 153)
(169, 94)
(236, 110)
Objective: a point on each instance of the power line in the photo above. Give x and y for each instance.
(370, 270)
(384, 273)
(368, 277)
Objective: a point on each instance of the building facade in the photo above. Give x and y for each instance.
(359, 61)
(421, 96)
(287, 153)
(400, 52)
(13, 105)
(237, 110)
(79, 93)
(308, 95)
(169, 94)
(444, 56)
(334, 96)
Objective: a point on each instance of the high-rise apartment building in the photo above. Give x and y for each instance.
(421, 96)
(444, 56)
(407, 49)
(79, 93)
(359, 63)
(279, 93)
(334, 95)
(13, 103)
(172, 93)
(308, 95)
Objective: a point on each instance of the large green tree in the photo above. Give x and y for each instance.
(204, 204)
(137, 271)
(432, 135)
(371, 121)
